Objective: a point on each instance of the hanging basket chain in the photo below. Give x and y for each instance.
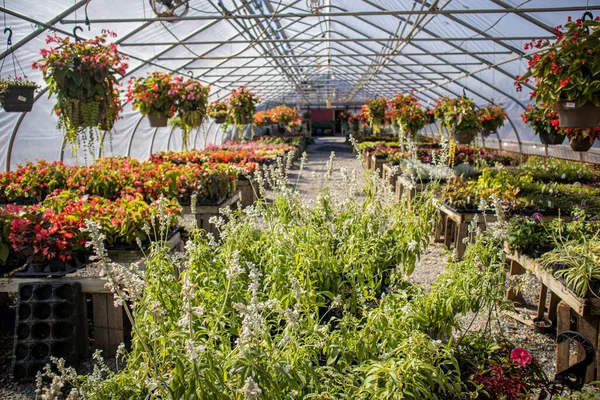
(14, 59)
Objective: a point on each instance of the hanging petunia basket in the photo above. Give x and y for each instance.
(16, 95)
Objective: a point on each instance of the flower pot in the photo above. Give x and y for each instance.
(463, 137)
(485, 132)
(430, 118)
(220, 119)
(281, 129)
(17, 98)
(158, 122)
(550, 139)
(581, 144)
(542, 325)
(572, 115)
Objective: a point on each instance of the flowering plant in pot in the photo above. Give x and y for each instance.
(408, 113)
(567, 73)
(218, 110)
(262, 118)
(242, 105)
(374, 113)
(539, 118)
(491, 118)
(82, 75)
(191, 107)
(460, 115)
(16, 95)
(354, 121)
(284, 116)
(156, 96)
(582, 139)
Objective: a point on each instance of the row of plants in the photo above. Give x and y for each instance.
(520, 193)
(210, 173)
(284, 116)
(112, 178)
(51, 232)
(312, 301)
(567, 247)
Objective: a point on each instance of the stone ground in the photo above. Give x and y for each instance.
(432, 263)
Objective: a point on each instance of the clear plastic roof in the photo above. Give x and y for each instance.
(351, 51)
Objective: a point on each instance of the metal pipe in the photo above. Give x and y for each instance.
(287, 57)
(340, 14)
(343, 40)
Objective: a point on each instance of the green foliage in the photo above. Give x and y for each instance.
(458, 114)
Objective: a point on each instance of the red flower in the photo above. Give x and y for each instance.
(565, 82)
(520, 356)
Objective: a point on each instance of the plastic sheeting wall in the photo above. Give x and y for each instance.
(423, 64)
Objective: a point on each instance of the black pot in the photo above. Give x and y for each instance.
(281, 129)
(551, 138)
(538, 251)
(158, 122)
(572, 115)
(542, 325)
(430, 118)
(17, 98)
(463, 137)
(581, 144)
(221, 119)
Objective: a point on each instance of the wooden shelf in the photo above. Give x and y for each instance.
(582, 306)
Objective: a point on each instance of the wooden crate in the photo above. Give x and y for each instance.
(405, 187)
(455, 227)
(587, 326)
(377, 164)
(389, 175)
(248, 193)
(205, 213)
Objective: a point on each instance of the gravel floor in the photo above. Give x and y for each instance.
(432, 263)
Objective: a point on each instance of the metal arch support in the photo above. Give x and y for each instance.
(152, 141)
(133, 135)
(460, 69)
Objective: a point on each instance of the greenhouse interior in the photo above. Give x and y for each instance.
(300, 199)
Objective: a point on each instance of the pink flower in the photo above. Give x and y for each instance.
(520, 356)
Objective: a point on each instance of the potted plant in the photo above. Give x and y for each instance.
(83, 77)
(354, 121)
(582, 139)
(156, 96)
(408, 113)
(566, 74)
(191, 107)
(242, 105)
(491, 118)
(284, 116)
(539, 118)
(262, 118)
(218, 110)
(16, 95)
(460, 115)
(374, 113)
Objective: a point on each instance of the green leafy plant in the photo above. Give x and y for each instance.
(155, 94)
(374, 112)
(408, 113)
(242, 105)
(83, 77)
(491, 118)
(460, 115)
(569, 68)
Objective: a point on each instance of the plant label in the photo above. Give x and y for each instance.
(22, 98)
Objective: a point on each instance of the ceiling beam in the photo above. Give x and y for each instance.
(374, 13)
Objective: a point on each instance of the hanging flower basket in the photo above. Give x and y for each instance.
(220, 119)
(157, 121)
(572, 115)
(242, 105)
(464, 137)
(581, 144)
(218, 110)
(551, 138)
(84, 114)
(408, 114)
(374, 112)
(491, 118)
(17, 95)
(82, 74)
(566, 72)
